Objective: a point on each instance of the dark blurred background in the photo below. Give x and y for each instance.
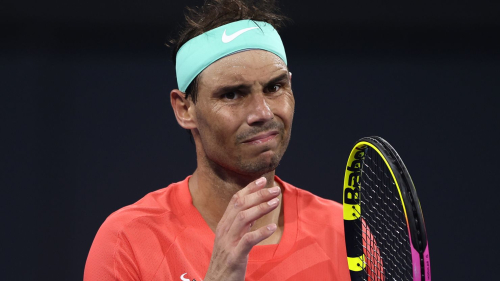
(87, 127)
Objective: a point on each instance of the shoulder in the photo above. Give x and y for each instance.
(314, 209)
(149, 224)
(317, 210)
(154, 207)
(157, 212)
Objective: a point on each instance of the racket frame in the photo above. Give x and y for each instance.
(409, 200)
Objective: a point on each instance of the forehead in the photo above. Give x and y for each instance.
(246, 66)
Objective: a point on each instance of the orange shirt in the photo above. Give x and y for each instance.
(164, 237)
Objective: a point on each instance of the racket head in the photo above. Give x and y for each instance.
(384, 226)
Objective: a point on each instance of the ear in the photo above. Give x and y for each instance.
(182, 109)
(290, 77)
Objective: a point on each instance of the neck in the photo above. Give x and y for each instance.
(213, 186)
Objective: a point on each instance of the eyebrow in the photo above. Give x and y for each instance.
(281, 77)
(239, 87)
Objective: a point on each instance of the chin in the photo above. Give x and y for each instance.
(260, 166)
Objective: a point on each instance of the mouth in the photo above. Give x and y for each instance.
(262, 138)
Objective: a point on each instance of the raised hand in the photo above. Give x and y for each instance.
(233, 236)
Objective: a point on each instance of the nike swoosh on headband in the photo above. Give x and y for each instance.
(229, 38)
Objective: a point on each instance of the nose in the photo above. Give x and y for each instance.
(259, 110)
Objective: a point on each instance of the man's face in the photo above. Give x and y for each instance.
(244, 112)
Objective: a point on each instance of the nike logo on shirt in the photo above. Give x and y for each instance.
(229, 38)
(184, 279)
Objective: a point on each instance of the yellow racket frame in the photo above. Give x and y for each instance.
(350, 210)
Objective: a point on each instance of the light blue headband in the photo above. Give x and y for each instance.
(203, 50)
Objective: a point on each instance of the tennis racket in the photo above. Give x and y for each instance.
(384, 226)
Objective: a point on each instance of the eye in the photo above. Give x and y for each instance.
(274, 88)
(230, 96)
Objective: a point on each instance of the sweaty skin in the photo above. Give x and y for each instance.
(241, 124)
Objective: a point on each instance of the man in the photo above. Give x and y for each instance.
(233, 219)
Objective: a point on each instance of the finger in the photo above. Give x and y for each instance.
(244, 218)
(253, 238)
(250, 188)
(259, 196)
(239, 197)
(252, 199)
(245, 203)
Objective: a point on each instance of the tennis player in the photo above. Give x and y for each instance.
(233, 218)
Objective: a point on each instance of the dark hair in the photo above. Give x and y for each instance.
(215, 13)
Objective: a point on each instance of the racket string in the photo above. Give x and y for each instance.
(385, 241)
